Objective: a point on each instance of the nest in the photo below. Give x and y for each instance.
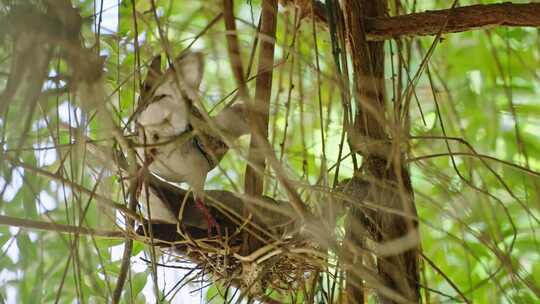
(265, 251)
(282, 266)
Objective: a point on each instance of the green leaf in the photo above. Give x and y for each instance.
(138, 247)
(138, 281)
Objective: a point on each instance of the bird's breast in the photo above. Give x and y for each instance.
(179, 163)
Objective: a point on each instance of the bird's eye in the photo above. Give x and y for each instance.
(155, 137)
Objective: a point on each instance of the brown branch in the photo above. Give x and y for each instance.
(128, 243)
(237, 67)
(460, 19)
(39, 225)
(368, 68)
(260, 107)
(389, 181)
(233, 48)
(263, 88)
(259, 117)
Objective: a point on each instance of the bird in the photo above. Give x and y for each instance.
(172, 143)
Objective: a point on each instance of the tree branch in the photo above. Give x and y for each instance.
(100, 199)
(259, 109)
(261, 105)
(39, 225)
(460, 19)
(388, 180)
(233, 48)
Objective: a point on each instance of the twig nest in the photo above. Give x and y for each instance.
(252, 278)
(282, 266)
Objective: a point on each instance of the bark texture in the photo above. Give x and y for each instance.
(390, 221)
(259, 111)
(460, 19)
(261, 107)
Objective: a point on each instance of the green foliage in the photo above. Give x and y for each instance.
(479, 219)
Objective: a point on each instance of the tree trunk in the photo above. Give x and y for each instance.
(392, 225)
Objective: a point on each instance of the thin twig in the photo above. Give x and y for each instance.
(39, 225)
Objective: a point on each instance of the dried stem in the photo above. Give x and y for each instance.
(39, 225)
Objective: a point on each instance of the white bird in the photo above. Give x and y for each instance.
(168, 143)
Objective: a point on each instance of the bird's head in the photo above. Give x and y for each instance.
(181, 81)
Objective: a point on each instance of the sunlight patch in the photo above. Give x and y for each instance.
(475, 81)
(45, 202)
(70, 114)
(11, 249)
(45, 152)
(109, 16)
(116, 252)
(13, 187)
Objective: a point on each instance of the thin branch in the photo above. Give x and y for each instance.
(259, 108)
(476, 155)
(39, 225)
(448, 280)
(75, 186)
(233, 48)
(128, 246)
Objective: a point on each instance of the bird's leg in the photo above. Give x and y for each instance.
(210, 220)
